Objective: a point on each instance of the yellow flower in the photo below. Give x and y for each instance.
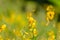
(33, 25)
(50, 38)
(31, 20)
(2, 27)
(53, 36)
(50, 15)
(35, 32)
(50, 8)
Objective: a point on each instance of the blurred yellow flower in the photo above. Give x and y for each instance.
(50, 15)
(50, 38)
(3, 26)
(51, 35)
(35, 32)
(33, 25)
(50, 8)
(31, 20)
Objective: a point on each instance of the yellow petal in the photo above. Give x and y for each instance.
(3, 26)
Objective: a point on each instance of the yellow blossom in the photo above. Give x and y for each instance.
(31, 20)
(50, 38)
(50, 15)
(3, 26)
(50, 8)
(51, 35)
(35, 32)
(33, 25)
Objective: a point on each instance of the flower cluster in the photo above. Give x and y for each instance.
(50, 14)
(51, 35)
(32, 24)
(2, 27)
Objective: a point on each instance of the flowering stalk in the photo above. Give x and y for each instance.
(51, 35)
(50, 14)
(32, 25)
